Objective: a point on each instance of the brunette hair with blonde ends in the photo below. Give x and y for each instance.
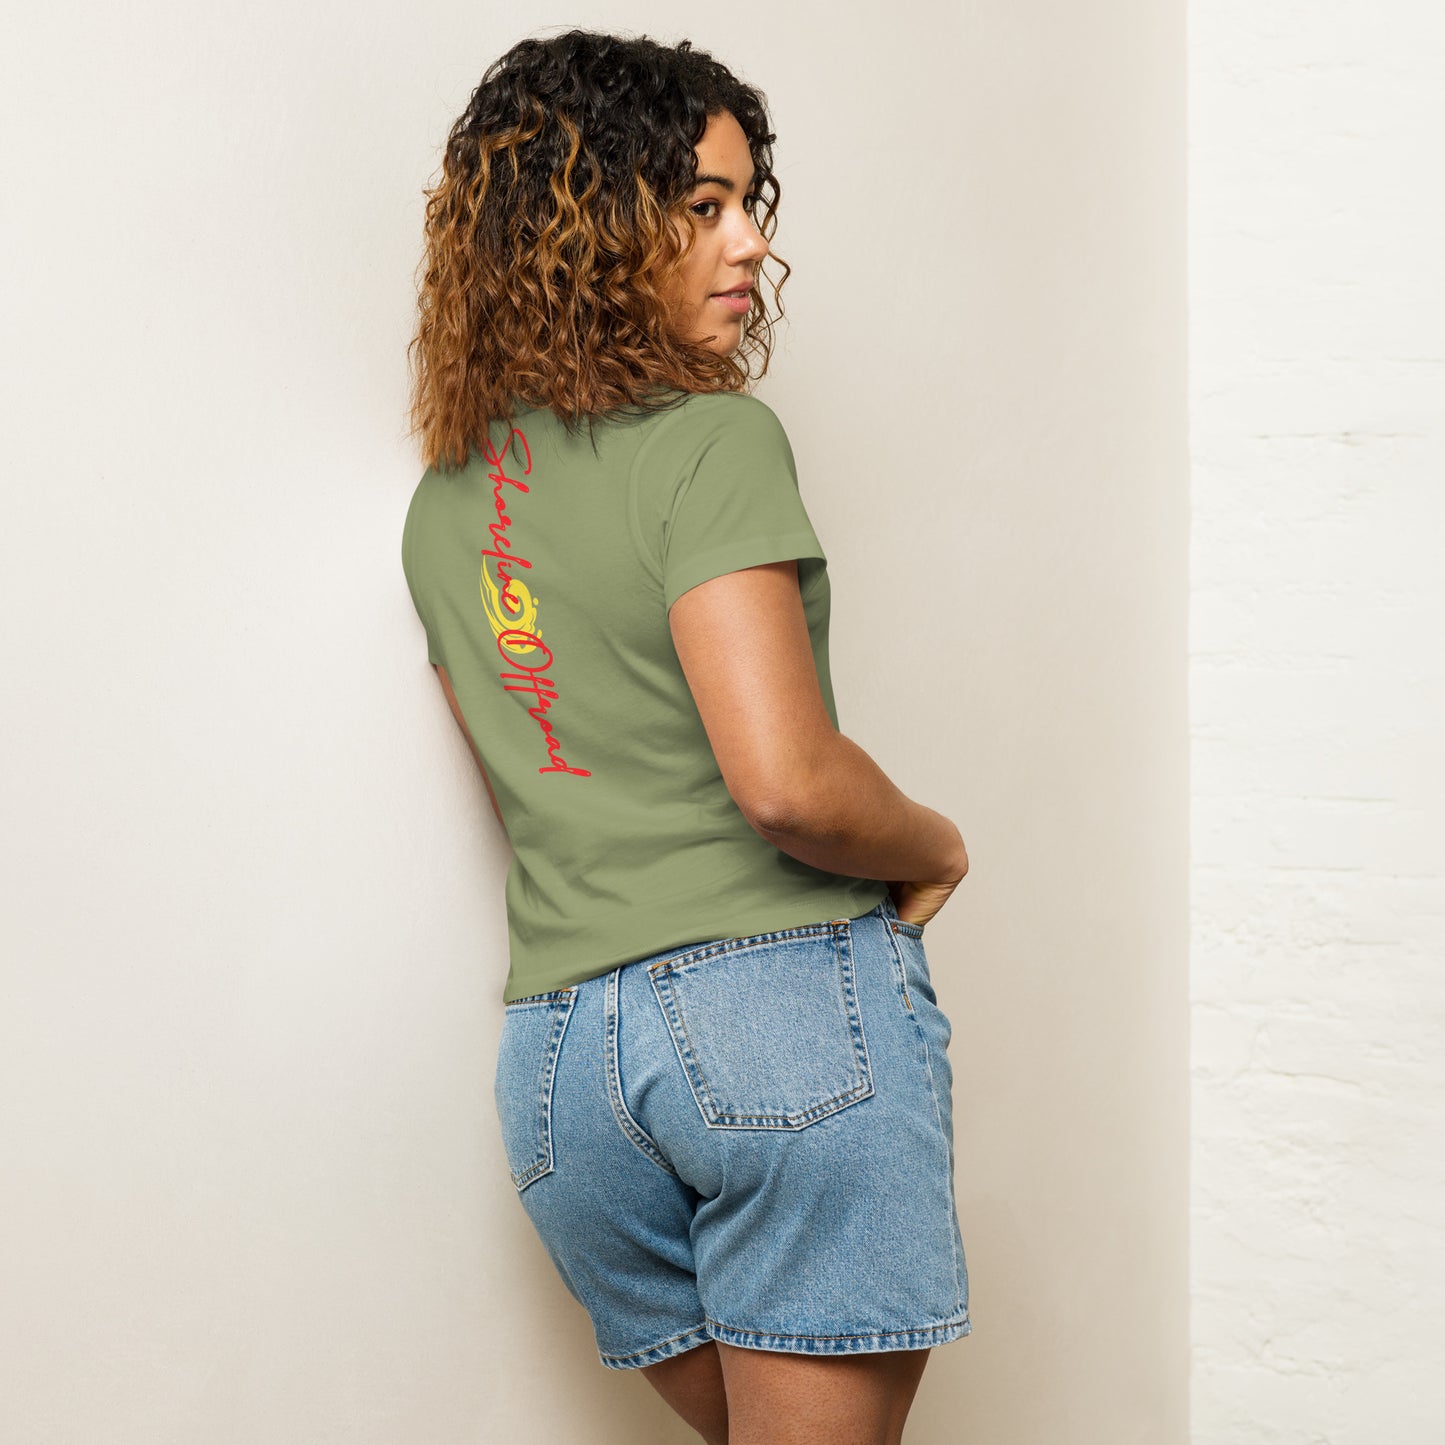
(550, 249)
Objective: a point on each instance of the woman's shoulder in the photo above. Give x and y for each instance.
(707, 416)
(726, 427)
(728, 404)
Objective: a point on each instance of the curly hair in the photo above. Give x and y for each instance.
(550, 246)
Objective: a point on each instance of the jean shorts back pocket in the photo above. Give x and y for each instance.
(768, 1028)
(531, 1039)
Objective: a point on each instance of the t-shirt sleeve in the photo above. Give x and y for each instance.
(738, 503)
(413, 566)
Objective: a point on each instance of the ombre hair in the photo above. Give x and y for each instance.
(551, 252)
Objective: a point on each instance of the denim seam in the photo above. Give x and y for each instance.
(937, 1113)
(697, 1330)
(731, 945)
(960, 1323)
(900, 973)
(633, 1131)
(537, 1000)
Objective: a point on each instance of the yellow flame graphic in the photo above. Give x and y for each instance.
(525, 620)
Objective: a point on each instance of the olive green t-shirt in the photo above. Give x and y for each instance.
(543, 570)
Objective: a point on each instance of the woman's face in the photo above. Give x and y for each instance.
(729, 248)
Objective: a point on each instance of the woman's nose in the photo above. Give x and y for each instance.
(752, 245)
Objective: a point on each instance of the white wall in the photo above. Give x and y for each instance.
(253, 1189)
(1317, 314)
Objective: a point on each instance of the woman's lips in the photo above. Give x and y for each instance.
(739, 305)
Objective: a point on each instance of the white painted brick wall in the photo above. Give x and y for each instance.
(1317, 240)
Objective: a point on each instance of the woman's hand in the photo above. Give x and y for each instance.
(917, 902)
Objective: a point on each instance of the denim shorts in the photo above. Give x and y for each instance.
(748, 1140)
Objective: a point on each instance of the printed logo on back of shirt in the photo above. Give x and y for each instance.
(512, 609)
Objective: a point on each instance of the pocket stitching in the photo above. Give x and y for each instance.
(542, 1106)
(660, 974)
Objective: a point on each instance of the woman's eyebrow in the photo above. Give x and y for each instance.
(722, 181)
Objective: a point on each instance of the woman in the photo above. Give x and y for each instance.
(722, 1078)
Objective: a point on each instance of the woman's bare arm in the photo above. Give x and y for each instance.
(815, 794)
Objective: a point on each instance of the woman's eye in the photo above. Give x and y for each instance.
(749, 205)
